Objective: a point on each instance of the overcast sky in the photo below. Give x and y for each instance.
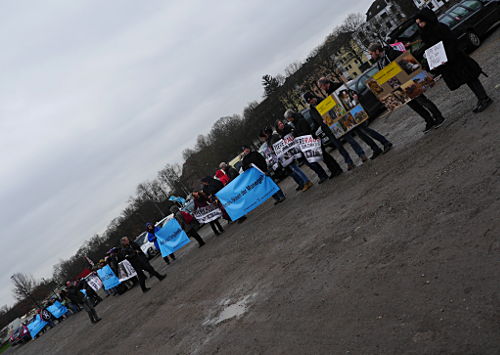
(96, 96)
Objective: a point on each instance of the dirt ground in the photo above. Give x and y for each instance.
(399, 256)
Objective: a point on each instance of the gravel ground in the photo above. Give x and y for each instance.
(399, 256)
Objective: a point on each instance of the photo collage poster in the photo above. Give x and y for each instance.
(342, 113)
(400, 82)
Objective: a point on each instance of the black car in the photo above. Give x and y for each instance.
(471, 20)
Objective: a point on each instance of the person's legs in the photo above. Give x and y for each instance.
(318, 169)
(297, 179)
(149, 268)
(214, 229)
(370, 142)
(298, 171)
(355, 146)
(375, 135)
(218, 225)
(196, 236)
(166, 260)
(431, 107)
(172, 256)
(342, 151)
(416, 105)
(331, 163)
(141, 277)
(478, 89)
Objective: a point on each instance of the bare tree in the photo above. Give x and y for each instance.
(23, 287)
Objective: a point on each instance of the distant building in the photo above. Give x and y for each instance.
(431, 4)
(349, 56)
(384, 16)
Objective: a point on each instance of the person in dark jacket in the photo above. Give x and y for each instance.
(211, 186)
(229, 170)
(151, 229)
(77, 297)
(133, 253)
(460, 68)
(302, 128)
(421, 104)
(188, 227)
(93, 296)
(201, 199)
(284, 129)
(252, 157)
(363, 131)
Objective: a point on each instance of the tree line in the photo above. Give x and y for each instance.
(221, 143)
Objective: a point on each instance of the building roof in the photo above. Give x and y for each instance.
(375, 8)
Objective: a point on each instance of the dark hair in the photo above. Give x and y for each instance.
(243, 147)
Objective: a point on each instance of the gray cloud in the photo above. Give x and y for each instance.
(97, 96)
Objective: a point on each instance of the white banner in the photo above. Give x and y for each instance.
(310, 147)
(125, 270)
(285, 150)
(436, 56)
(94, 282)
(207, 214)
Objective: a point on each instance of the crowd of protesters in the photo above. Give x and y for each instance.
(460, 69)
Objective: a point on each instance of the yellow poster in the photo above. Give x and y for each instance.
(388, 72)
(326, 105)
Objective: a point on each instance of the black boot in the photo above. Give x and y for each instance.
(482, 105)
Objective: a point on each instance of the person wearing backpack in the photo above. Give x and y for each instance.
(187, 224)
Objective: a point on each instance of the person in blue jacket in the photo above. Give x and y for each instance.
(151, 229)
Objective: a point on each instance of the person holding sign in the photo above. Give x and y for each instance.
(151, 229)
(200, 199)
(255, 158)
(79, 298)
(460, 68)
(133, 253)
(420, 104)
(186, 222)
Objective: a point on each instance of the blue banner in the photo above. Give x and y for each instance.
(245, 193)
(181, 200)
(171, 237)
(57, 309)
(108, 277)
(36, 326)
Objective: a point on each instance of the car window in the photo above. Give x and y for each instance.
(410, 31)
(459, 12)
(472, 4)
(448, 20)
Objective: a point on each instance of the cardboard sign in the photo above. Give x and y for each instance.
(436, 56)
(396, 87)
(326, 105)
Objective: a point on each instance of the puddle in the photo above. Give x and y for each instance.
(230, 310)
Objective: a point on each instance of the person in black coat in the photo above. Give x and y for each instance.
(302, 128)
(77, 297)
(460, 68)
(229, 170)
(420, 104)
(252, 157)
(133, 253)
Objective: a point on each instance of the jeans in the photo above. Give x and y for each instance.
(299, 173)
(318, 169)
(347, 158)
(478, 89)
(331, 163)
(366, 134)
(425, 108)
(216, 227)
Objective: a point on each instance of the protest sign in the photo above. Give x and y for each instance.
(285, 150)
(436, 56)
(326, 105)
(271, 157)
(94, 282)
(310, 147)
(208, 213)
(57, 309)
(245, 193)
(171, 237)
(400, 81)
(108, 277)
(35, 326)
(125, 271)
(346, 114)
